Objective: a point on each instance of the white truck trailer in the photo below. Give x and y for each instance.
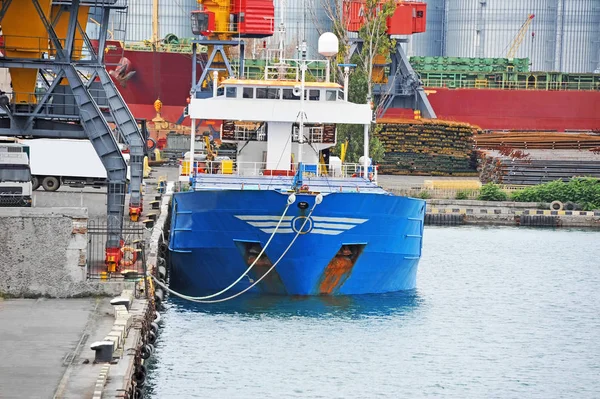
(75, 163)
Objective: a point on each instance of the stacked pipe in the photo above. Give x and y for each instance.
(538, 140)
(424, 147)
(537, 166)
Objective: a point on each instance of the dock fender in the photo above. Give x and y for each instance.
(159, 295)
(151, 337)
(139, 376)
(156, 317)
(556, 206)
(146, 351)
(138, 393)
(154, 327)
(162, 272)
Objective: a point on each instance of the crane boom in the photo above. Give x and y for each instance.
(514, 47)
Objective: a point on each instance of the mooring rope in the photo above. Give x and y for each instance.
(318, 200)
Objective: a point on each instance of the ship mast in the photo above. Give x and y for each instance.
(302, 81)
(154, 24)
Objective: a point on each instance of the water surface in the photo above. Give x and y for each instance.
(498, 313)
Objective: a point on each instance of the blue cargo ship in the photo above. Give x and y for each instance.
(286, 217)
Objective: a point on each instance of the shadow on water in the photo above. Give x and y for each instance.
(352, 306)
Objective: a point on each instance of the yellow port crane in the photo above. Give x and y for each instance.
(514, 47)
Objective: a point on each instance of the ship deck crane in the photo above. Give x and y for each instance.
(518, 40)
(222, 24)
(402, 88)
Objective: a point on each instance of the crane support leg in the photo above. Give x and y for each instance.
(403, 89)
(133, 137)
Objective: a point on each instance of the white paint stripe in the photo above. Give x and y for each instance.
(280, 230)
(326, 232)
(338, 220)
(262, 224)
(334, 226)
(262, 217)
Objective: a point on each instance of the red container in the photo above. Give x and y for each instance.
(408, 18)
(254, 17)
(353, 14)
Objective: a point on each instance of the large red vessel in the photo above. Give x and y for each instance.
(166, 76)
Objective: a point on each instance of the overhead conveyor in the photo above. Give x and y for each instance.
(48, 38)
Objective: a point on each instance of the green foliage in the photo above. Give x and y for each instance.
(463, 194)
(491, 192)
(584, 191)
(354, 133)
(424, 195)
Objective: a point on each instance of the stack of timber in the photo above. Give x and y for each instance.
(538, 140)
(426, 147)
(537, 166)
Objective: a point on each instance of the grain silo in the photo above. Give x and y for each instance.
(563, 35)
(431, 42)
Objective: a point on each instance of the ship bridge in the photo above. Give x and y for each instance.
(276, 101)
(263, 117)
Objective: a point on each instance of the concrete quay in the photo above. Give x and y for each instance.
(51, 314)
(505, 213)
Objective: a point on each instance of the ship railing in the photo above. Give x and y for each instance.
(459, 83)
(249, 169)
(313, 133)
(250, 132)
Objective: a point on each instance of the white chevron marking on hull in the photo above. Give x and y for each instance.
(338, 220)
(262, 217)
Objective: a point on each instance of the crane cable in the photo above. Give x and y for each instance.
(318, 200)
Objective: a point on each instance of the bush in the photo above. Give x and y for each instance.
(462, 194)
(583, 191)
(492, 192)
(424, 195)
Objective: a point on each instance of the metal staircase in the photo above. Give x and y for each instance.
(130, 132)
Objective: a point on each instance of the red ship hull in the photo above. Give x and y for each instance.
(167, 76)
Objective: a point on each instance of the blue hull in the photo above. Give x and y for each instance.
(353, 243)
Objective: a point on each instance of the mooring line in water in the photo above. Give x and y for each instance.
(290, 200)
(318, 200)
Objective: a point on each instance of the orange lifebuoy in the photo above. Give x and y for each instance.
(132, 260)
(304, 188)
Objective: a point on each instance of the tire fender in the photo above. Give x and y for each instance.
(556, 206)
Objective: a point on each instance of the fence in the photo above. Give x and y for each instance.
(424, 192)
(133, 251)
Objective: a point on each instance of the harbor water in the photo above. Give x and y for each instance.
(498, 313)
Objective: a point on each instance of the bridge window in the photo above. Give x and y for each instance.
(340, 95)
(288, 94)
(220, 91)
(248, 92)
(231, 92)
(273, 94)
(261, 92)
(330, 95)
(314, 95)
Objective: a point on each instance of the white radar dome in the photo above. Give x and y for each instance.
(328, 44)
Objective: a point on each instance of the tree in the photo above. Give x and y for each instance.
(357, 93)
(375, 41)
(374, 36)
